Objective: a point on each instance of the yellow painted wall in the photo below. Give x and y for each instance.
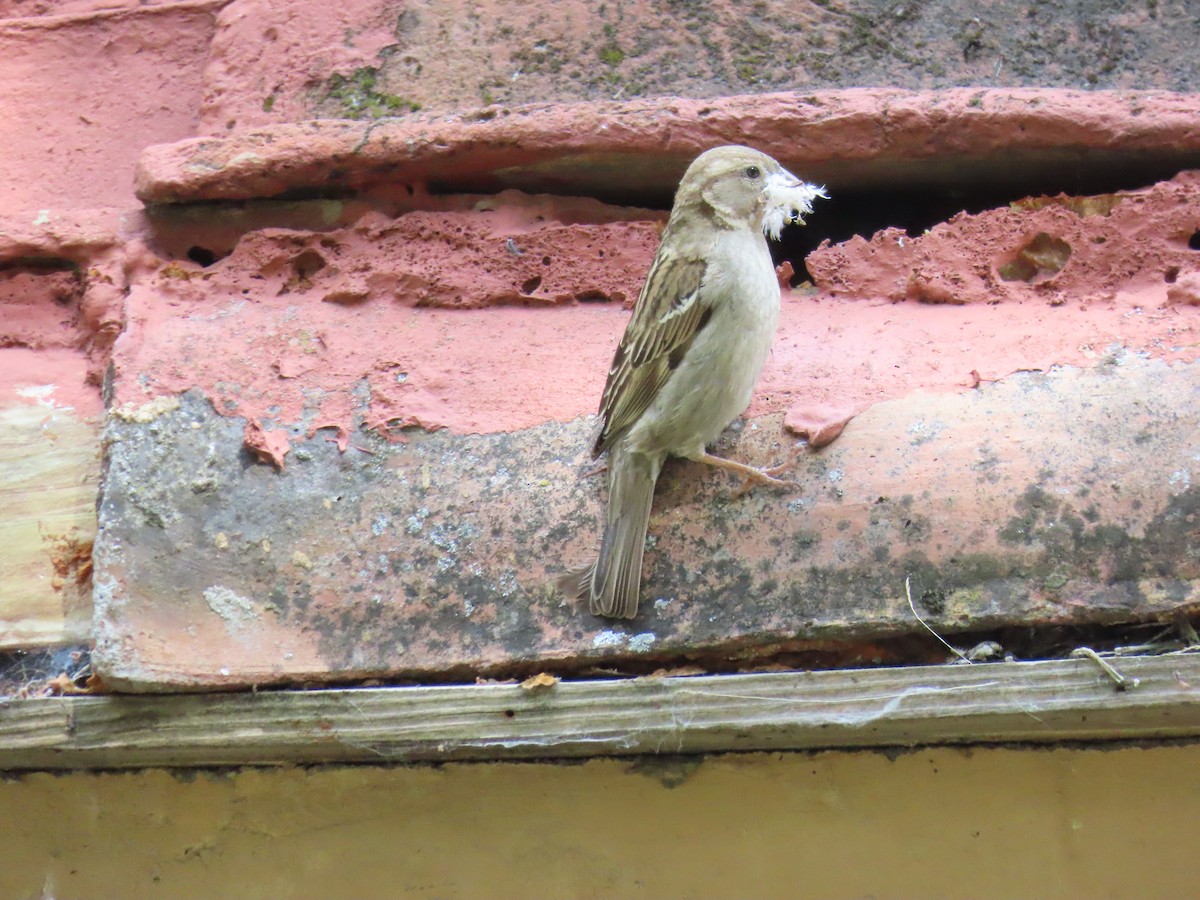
(1069, 823)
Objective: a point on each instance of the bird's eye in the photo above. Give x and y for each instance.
(752, 172)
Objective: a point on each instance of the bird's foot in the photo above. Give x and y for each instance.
(752, 475)
(786, 466)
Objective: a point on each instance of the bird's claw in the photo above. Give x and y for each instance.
(768, 477)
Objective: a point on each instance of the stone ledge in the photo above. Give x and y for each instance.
(858, 138)
(1062, 497)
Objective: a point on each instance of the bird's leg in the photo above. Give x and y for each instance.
(753, 475)
(595, 467)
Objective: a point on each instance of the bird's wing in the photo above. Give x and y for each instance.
(669, 314)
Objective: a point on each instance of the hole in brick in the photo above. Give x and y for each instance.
(308, 264)
(1194, 240)
(202, 256)
(1171, 275)
(1041, 258)
(545, 260)
(592, 296)
(38, 265)
(529, 285)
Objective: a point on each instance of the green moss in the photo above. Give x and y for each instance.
(268, 103)
(1056, 580)
(612, 55)
(358, 96)
(1032, 507)
(965, 601)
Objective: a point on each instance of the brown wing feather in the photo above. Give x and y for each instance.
(668, 314)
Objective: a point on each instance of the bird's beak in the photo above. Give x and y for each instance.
(788, 200)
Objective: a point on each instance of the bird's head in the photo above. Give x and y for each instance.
(742, 186)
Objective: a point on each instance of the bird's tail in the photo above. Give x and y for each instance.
(612, 582)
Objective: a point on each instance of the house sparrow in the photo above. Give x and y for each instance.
(692, 351)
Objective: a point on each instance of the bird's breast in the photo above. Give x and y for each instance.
(714, 381)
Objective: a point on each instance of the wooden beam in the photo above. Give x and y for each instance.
(998, 702)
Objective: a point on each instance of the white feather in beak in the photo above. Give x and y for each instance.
(788, 200)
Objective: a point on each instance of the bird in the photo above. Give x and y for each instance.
(691, 353)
